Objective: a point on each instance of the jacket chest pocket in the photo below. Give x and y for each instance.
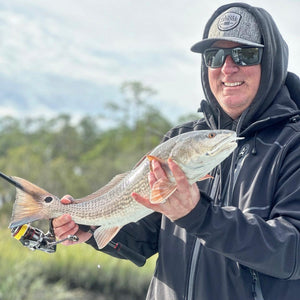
(251, 189)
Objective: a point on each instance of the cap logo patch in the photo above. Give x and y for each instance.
(229, 21)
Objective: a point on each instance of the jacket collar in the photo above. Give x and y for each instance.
(282, 109)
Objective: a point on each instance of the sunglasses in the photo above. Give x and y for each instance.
(242, 56)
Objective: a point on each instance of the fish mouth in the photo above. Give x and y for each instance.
(227, 142)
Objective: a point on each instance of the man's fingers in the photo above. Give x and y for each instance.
(152, 179)
(140, 199)
(144, 201)
(175, 168)
(62, 234)
(158, 170)
(61, 221)
(64, 226)
(65, 234)
(180, 177)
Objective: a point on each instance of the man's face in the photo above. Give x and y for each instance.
(234, 86)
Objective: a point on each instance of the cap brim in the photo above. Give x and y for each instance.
(201, 46)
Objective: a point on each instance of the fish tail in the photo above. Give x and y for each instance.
(28, 206)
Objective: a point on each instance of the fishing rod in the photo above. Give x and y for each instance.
(12, 181)
(128, 253)
(35, 239)
(121, 249)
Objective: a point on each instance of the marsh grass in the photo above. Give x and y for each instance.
(75, 271)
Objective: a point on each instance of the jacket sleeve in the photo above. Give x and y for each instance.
(141, 237)
(268, 245)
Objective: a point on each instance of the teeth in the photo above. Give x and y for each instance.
(233, 83)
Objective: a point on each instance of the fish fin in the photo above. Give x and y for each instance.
(163, 164)
(140, 161)
(111, 184)
(28, 206)
(205, 177)
(161, 190)
(103, 235)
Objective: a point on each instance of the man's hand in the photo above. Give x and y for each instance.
(64, 226)
(181, 202)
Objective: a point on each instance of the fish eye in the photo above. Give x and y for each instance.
(211, 135)
(48, 199)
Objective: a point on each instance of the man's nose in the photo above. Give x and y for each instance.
(229, 65)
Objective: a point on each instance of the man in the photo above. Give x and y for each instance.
(236, 236)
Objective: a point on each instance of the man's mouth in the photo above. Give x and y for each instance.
(233, 84)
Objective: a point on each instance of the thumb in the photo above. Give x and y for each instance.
(67, 199)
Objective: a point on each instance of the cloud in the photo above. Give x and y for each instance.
(72, 55)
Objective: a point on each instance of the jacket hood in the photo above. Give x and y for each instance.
(273, 66)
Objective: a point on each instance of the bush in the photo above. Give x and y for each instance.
(25, 274)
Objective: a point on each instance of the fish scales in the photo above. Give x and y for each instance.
(116, 205)
(111, 207)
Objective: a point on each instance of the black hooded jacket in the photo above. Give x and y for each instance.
(242, 240)
(274, 65)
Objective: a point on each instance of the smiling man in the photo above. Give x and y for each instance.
(233, 85)
(236, 236)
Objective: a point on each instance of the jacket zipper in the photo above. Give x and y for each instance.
(197, 246)
(196, 251)
(244, 150)
(235, 171)
(256, 287)
(242, 154)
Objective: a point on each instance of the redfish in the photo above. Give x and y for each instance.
(112, 206)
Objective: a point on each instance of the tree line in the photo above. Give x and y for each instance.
(78, 158)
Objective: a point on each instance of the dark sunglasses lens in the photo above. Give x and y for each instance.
(214, 58)
(246, 56)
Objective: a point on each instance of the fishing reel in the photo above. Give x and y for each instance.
(35, 239)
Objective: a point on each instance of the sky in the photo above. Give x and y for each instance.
(72, 56)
